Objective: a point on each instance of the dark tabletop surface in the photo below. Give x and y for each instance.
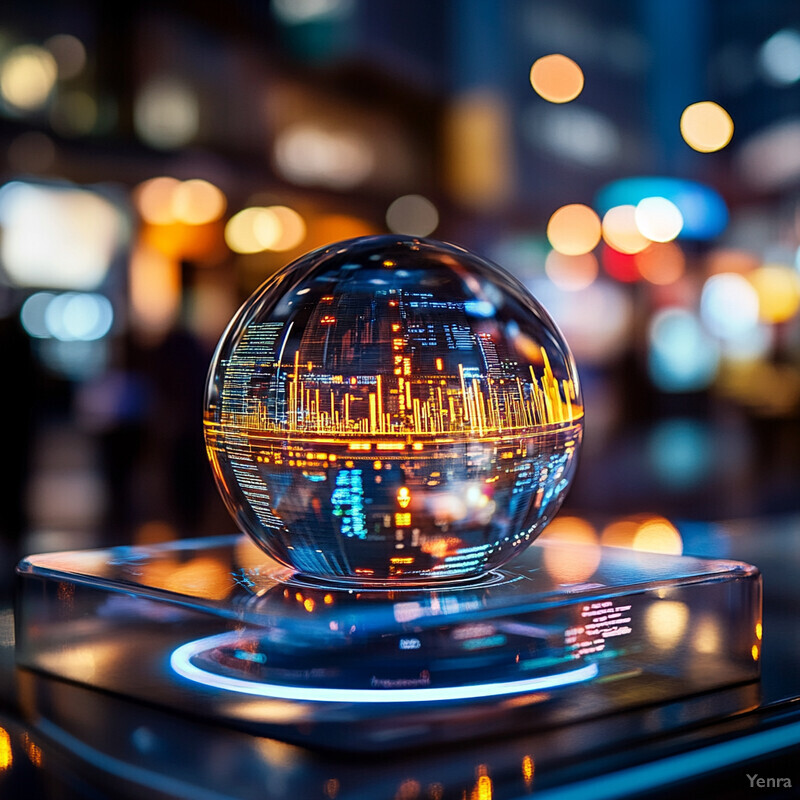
(122, 749)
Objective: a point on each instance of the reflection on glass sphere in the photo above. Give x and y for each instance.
(392, 409)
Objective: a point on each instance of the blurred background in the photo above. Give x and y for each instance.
(636, 164)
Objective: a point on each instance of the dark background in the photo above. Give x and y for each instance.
(336, 108)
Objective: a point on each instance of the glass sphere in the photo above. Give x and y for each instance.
(392, 409)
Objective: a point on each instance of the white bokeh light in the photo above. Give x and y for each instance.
(779, 57)
(659, 219)
(729, 305)
(413, 215)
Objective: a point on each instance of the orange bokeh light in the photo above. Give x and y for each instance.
(643, 532)
(621, 232)
(564, 561)
(706, 126)
(661, 264)
(571, 273)
(556, 78)
(154, 198)
(574, 230)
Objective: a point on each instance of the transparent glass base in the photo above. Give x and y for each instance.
(213, 627)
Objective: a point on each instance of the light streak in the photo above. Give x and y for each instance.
(181, 663)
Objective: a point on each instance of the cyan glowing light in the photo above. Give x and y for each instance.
(704, 212)
(32, 314)
(480, 308)
(683, 358)
(681, 452)
(656, 775)
(68, 317)
(79, 317)
(181, 663)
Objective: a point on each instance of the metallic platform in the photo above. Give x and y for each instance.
(214, 629)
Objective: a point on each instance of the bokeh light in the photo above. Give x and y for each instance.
(680, 452)
(572, 550)
(6, 750)
(154, 290)
(57, 237)
(252, 230)
(79, 317)
(707, 637)
(621, 232)
(729, 305)
(556, 78)
(293, 228)
(574, 229)
(69, 53)
(770, 389)
(729, 259)
(665, 622)
(477, 150)
(620, 266)
(27, 76)
(682, 358)
(274, 228)
(571, 273)
(704, 212)
(748, 347)
(197, 202)
(68, 317)
(32, 314)
(166, 113)
(706, 126)
(619, 533)
(336, 227)
(658, 535)
(154, 198)
(643, 532)
(573, 133)
(779, 57)
(308, 154)
(778, 290)
(298, 12)
(769, 160)
(661, 263)
(596, 320)
(658, 219)
(165, 200)
(413, 215)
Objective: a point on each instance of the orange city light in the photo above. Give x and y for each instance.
(403, 497)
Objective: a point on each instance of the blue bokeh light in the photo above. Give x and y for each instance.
(705, 214)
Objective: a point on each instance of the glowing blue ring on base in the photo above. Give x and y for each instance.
(180, 661)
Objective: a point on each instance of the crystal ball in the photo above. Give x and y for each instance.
(392, 410)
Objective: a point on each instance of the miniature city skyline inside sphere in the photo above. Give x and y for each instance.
(391, 409)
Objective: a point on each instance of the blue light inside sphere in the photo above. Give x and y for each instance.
(392, 409)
